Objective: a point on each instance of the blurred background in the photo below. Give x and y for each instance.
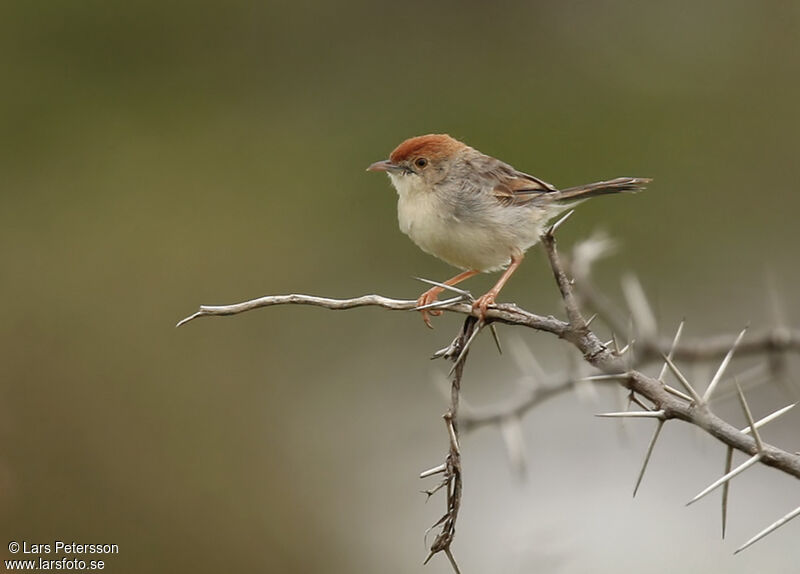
(156, 156)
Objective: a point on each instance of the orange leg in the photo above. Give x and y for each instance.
(431, 294)
(482, 302)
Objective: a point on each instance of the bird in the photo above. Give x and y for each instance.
(474, 211)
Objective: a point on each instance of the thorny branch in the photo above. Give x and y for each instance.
(457, 352)
(656, 399)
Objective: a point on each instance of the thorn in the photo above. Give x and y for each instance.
(463, 352)
(746, 409)
(677, 393)
(726, 489)
(631, 336)
(591, 319)
(447, 287)
(431, 491)
(634, 414)
(611, 377)
(672, 349)
(769, 418)
(719, 482)
(435, 304)
(438, 522)
(496, 338)
(697, 399)
(647, 456)
(452, 559)
(451, 430)
(432, 471)
(440, 353)
(769, 529)
(627, 347)
(632, 398)
(558, 223)
(724, 365)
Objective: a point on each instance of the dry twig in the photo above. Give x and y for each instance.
(656, 399)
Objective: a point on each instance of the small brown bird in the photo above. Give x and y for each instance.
(474, 211)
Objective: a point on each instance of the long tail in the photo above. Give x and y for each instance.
(618, 185)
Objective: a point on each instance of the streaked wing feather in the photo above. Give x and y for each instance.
(516, 187)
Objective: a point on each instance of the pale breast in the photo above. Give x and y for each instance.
(465, 231)
(438, 230)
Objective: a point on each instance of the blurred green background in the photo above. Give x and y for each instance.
(159, 155)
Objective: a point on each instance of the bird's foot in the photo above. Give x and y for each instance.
(430, 296)
(482, 303)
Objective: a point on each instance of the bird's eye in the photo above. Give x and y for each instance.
(421, 162)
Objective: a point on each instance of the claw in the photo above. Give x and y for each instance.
(482, 303)
(426, 299)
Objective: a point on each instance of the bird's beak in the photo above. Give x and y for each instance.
(384, 165)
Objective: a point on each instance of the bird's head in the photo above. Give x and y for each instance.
(421, 161)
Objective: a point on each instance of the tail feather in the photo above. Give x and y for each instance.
(618, 185)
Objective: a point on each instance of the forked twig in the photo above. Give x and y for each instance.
(452, 465)
(657, 399)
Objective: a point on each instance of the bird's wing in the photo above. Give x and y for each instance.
(513, 187)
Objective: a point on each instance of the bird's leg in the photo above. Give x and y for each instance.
(482, 302)
(431, 294)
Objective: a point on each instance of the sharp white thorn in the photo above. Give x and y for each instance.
(610, 377)
(726, 489)
(769, 529)
(675, 371)
(722, 480)
(724, 365)
(677, 393)
(445, 286)
(627, 347)
(435, 304)
(496, 338)
(671, 353)
(768, 419)
(432, 471)
(647, 456)
(558, 223)
(749, 415)
(465, 349)
(633, 414)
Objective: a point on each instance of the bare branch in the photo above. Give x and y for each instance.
(452, 465)
(548, 240)
(503, 313)
(593, 351)
(658, 400)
